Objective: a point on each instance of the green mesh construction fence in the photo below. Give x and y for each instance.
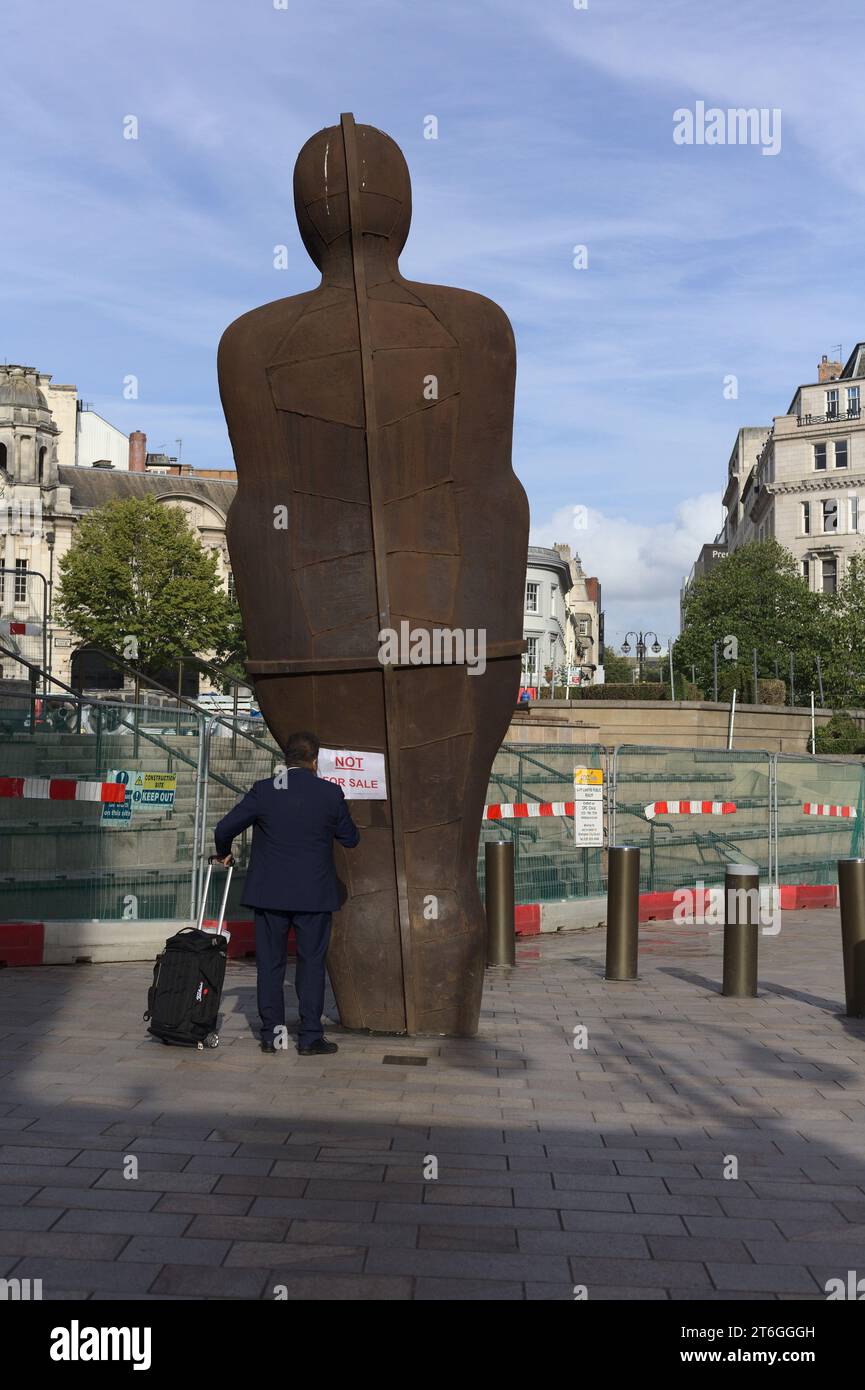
(233, 764)
(692, 811)
(61, 860)
(65, 859)
(819, 810)
(548, 867)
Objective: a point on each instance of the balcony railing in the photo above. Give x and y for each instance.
(832, 417)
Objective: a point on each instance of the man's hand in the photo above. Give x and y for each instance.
(227, 860)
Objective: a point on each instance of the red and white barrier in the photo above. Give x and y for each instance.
(816, 808)
(690, 808)
(13, 629)
(61, 789)
(520, 809)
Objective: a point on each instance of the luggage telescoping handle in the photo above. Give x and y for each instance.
(206, 890)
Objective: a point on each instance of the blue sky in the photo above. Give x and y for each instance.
(555, 129)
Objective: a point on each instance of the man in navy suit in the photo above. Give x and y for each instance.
(291, 881)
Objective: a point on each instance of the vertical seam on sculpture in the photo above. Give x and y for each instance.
(389, 677)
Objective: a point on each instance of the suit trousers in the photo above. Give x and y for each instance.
(312, 931)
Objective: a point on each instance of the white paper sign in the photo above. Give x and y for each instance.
(588, 806)
(361, 775)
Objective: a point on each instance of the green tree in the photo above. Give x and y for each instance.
(844, 623)
(617, 668)
(135, 570)
(754, 598)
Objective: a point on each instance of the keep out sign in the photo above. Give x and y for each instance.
(361, 775)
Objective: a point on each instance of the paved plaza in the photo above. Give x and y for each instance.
(557, 1166)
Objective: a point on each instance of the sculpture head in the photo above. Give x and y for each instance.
(321, 194)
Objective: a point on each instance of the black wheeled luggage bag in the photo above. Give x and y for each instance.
(183, 1001)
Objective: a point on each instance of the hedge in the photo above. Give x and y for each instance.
(647, 690)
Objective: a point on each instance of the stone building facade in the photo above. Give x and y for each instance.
(44, 492)
(801, 480)
(562, 623)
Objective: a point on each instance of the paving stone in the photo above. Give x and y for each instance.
(128, 1223)
(287, 1260)
(465, 1237)
(158, 1181)
(198, 1281)
(465, 1290)
(28, 1218)
(87, 1274)
(614, 1244)
(360, 1233)
(34, 1154)
(61, 1245)
(440, 1214)
(95, 1199)
(247, 1185)
(458, 1264)
(204, 1203)
(175, 1250)
(239, 1227)
(303, 1208)
(763, 1278)
(321, 1288)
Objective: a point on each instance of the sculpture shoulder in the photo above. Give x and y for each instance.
(472, 316)
(251, 339)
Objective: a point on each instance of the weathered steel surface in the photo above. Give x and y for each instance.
(401, 505)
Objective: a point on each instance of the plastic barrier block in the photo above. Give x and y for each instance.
(656, 907)
(21, 943)
(817, 895)
(242, 942)
(527, 919)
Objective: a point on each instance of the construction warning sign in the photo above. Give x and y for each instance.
(588, 807)
(145, 791)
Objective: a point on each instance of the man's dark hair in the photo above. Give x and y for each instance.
(301, 748)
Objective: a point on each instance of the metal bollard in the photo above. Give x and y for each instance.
(623, 911)
(851, 898)
(499, 892)
(741, 926)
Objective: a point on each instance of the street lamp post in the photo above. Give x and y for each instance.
(642, 639)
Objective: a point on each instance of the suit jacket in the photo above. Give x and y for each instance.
(291, 865)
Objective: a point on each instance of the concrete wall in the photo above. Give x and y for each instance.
(676, 724)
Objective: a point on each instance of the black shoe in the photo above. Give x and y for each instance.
(267, 1045)
(320, 1048)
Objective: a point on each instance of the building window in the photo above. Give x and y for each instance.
(853, 402)
(819, 457)
(43, 454)
(841, 456)
(584, 627)
(531, 657)
(20, 581)
(854, 514)
(3, 459)
(830, 575)
(830, 514)
(806, 572)
(232, 591)
(806, 518)
(832, 404)
(532, 591)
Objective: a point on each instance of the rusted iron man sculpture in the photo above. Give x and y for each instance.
(371, 422)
